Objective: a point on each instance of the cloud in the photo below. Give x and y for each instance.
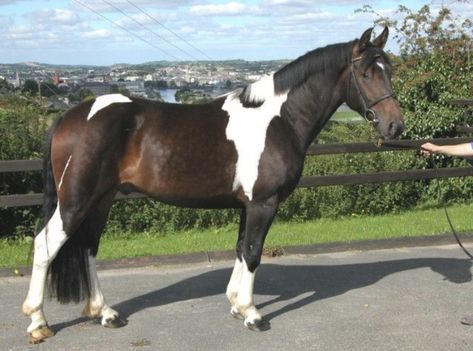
(310, 17)
(287, 3)
(9, 2)
(53, 17)
(228, 9)
(97, 34)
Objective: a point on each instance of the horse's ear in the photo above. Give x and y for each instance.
(381, 40)
(364, 40)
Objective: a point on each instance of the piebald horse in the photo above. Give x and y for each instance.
(244, 150)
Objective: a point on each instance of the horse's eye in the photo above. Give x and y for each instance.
(365, 75)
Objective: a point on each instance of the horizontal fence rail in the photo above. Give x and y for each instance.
(383, 145)
(21, 166)
(19, 200)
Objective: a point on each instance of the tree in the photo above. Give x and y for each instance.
(30, 87)
(424, 32)
(49, 89)
(5, 87)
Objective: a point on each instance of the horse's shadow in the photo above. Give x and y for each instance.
(291, 281)
(288, 282)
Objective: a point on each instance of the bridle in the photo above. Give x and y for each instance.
(368, 113)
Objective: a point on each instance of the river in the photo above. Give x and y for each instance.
(168, 95)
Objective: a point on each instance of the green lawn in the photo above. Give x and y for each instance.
(346, 116)
(409, 224)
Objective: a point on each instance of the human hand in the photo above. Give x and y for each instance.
(428, 149)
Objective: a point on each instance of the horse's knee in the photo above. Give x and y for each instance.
(239, 249)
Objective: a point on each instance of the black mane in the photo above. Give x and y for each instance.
(329, 58)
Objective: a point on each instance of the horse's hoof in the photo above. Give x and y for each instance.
(38, 335)
(236, 314)
(257, 325)
(467, 320)
(115, 322)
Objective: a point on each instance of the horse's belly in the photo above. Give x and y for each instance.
(190, 179)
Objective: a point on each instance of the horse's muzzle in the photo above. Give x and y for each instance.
(395, 128)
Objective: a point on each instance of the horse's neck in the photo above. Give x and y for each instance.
(310, 106)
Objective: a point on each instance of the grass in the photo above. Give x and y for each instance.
(420, 222)
(346, 116)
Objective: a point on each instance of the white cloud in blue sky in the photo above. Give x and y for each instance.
(62, 31)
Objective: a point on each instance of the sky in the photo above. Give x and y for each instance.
(104, 32)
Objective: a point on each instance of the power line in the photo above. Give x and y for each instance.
(148, 29)
(126, 30)
(168, 29)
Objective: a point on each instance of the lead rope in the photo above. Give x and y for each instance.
(444, 205)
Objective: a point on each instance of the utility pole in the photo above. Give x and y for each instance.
(468, 56)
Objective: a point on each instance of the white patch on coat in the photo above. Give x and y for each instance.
(105, 100)
(64, 172)
(380, 65)
(247, 282)
(245, 304)
(247, 129)
(234, 284)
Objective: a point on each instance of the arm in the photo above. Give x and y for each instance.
(461, 150)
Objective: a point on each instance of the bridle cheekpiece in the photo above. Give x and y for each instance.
(368, 113)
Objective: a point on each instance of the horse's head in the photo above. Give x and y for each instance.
(370, 92)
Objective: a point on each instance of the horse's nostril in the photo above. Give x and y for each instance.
(395, 128)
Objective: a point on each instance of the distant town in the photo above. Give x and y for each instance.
(186, 82)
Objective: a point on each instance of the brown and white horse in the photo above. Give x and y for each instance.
(244, 150)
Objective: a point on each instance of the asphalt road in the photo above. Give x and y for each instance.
(396, 299)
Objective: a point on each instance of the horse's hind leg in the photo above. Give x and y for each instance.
(259, 217)
(95, 306)
(62, 249)
(46, 246)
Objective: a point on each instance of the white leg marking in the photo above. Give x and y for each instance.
(106, 100)
(247, 129)
(64, 172)
(46, 246)
(245, 304)
(234, 284)
(96, 306)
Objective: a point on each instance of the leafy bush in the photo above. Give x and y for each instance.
(23, 125)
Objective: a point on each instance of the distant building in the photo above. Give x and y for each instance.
(98, 88)
(132, 86)
(16, 82)
(56, 78)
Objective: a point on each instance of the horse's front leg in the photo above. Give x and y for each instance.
(259, 217)
(235, 280)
